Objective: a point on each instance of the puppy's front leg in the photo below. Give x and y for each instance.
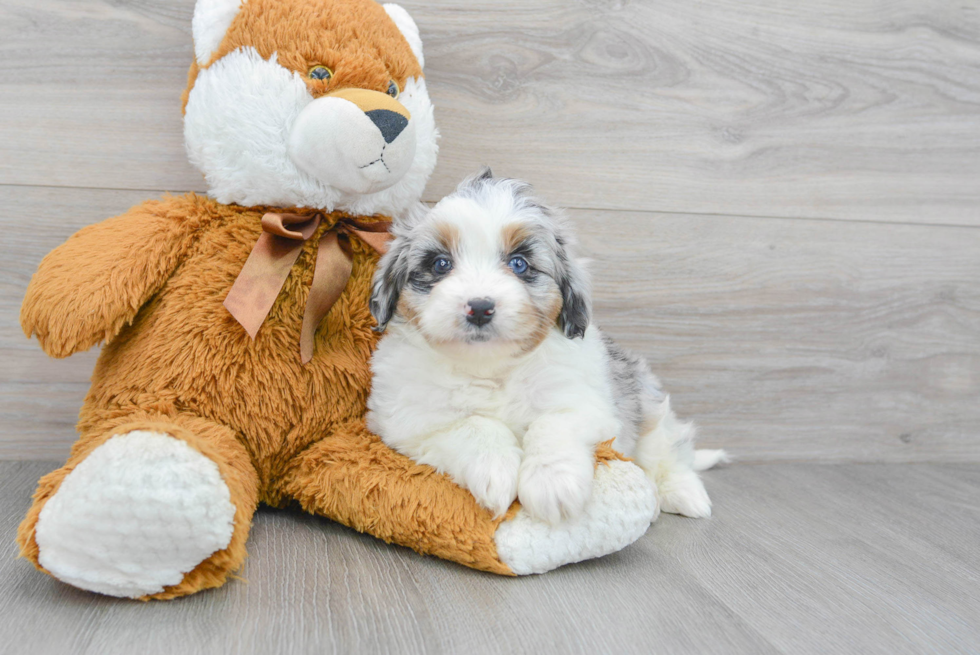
(481, 455)
(555, 480)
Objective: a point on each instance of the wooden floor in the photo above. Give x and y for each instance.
(782, 204)
(782, 200)
(799, 558)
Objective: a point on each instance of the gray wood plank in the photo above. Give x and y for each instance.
(854, 110)
(813, 556)
(784, 339)
(39, 396)
(797, 559)
(312, 586)
(861, 110)
(101, 106)
(801, 340)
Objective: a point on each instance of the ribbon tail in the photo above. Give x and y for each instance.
(260, 281)
(377, 240)
(333, 269)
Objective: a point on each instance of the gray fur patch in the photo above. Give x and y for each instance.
(635, 388)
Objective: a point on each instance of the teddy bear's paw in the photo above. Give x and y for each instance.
(622, 506)
(132, 518)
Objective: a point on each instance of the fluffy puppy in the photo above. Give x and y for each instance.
(490, 370)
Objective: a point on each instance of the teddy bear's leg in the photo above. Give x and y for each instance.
(354, 478)
(147, 506)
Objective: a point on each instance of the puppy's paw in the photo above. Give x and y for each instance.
(556, 487)
(683, 493)
(492, 479)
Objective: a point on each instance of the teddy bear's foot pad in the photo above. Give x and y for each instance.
(622, 506)
(138, 513)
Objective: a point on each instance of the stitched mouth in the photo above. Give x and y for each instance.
(379, 159)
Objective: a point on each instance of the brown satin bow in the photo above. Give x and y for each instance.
(273, 255)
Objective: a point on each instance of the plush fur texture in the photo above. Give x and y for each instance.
(176, 363)
(333, 155)
(513, 403)
(93, 533)
(181, 391)
(408, 28)
(211, 21)
(608, 524)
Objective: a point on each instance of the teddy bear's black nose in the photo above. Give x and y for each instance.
(389, 122)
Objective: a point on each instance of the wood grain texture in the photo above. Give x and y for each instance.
(784, 339)
(40, 396)
(800, 339)
(841, 109)
(853, 558)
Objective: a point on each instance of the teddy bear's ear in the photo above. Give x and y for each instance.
(408, 28)
(212, 18)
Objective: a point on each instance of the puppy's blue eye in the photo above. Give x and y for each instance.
(518, 264)
(442, 265)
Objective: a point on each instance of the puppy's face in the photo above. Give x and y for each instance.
(486, 270)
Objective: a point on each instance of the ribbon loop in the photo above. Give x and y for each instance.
(272, 258)
(279, 224)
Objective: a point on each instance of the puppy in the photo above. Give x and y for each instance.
(490, 370)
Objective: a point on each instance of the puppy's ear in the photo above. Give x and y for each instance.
(389, 280)
(475, 181)
(573, 282)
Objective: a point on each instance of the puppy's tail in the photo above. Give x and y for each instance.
(706, 459)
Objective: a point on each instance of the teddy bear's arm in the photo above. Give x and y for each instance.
(86, 290)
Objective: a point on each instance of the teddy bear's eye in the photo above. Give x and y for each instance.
(320, 73)
(393, 89)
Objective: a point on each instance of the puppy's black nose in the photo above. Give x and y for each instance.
(389, 122)
(479, 311)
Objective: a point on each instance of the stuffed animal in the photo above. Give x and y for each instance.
(236, 332)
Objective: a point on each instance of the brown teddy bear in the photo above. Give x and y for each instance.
(236, 328)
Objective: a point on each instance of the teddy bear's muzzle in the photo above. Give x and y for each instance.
(354, 140)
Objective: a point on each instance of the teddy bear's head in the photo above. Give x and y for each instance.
(309, 103)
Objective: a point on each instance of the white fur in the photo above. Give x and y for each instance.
(260, 138)
(622, 506)
(133, 517)
(525, 420)
(666, 452)
(335, 142)
(706, 459)
(484, 404)
(408, 28)
(211, 21)
(534, 420)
